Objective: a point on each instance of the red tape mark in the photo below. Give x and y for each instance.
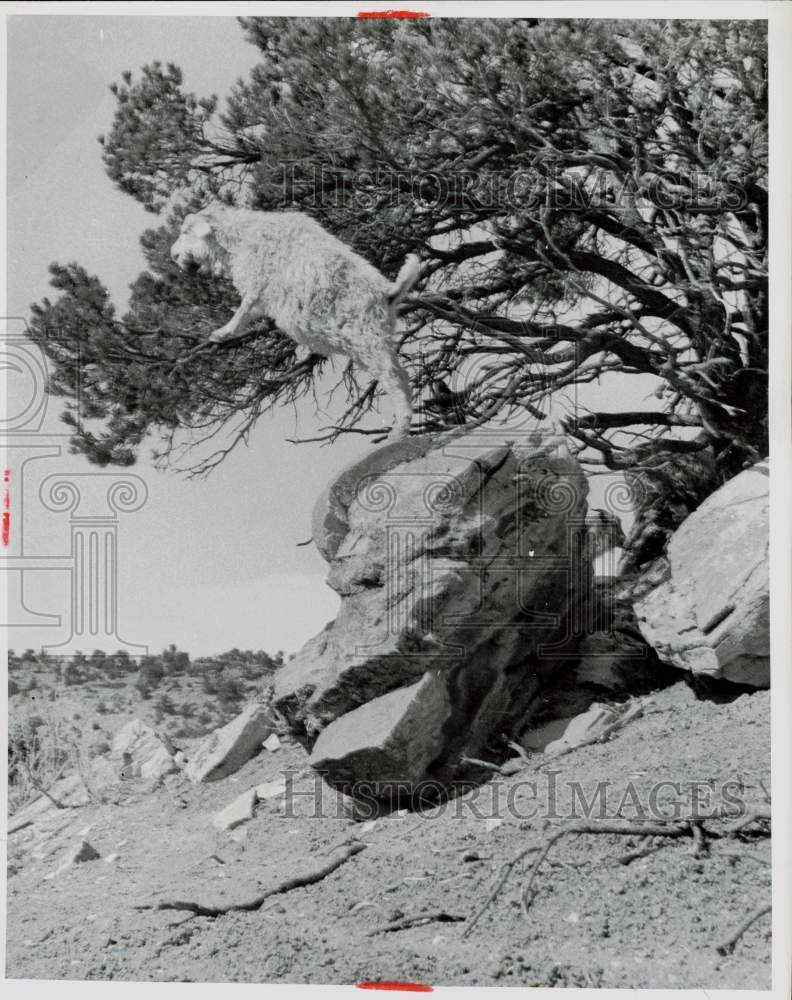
(392, 13)
(388, 984)
(6, 528)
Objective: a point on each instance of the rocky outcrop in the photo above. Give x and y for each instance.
(138, 752)
(399, 734)
(709, 610)
(228, 748)
(458, 561)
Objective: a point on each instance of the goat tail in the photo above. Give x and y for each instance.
(405, 279)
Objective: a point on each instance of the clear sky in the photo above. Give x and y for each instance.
(207, 564)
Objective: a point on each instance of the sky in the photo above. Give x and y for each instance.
(207, 564)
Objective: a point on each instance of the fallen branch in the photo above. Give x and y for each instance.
(628, 830)
(295, 882)
(499, 883)
(746, 820)
(727, 947)
(744, 856)
(699, 845)
(440, 916)
(642, 851)
(20, 826)
(682, 827)
(476, 762)
(633, 712)
(40, 787)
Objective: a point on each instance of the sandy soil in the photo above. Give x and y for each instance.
(593, 921)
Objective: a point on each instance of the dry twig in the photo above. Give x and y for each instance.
(683, 827)
(438, 916)
(295, 882)
(727, 946)
(746, 820)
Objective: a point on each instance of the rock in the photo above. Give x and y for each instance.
(78, 854)
(582, 728)
(614, 655)
(709, 614)
(227, 749)
(539, 737)
(458, 557)
(69, 791)
(237, 812)
(389, 742)
(270, 789)
(137, 752)
(272, 743)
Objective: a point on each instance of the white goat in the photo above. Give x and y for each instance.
(318, 291)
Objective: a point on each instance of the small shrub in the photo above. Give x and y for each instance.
(164, 705)
(143, 689)
(71, 676)
(38, 755)
(230, 690)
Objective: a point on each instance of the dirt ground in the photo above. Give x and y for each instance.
(593, 921)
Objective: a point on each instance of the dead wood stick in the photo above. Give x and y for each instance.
(645, 848)
(727, 946)
(742, 855)
(476, 762)
(699, 845)
(630, 830)
(499, 883)
(635, 712)
(440, 916)
(295, 882)
(41, 788)
(746, 820)
(19, 826)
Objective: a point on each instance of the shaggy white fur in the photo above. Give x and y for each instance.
(319, 292)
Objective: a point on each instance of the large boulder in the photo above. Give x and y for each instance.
(614, 656)
(709, 613)
(138, 752)
(228, 748)
(399, 733)
(458, 557)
